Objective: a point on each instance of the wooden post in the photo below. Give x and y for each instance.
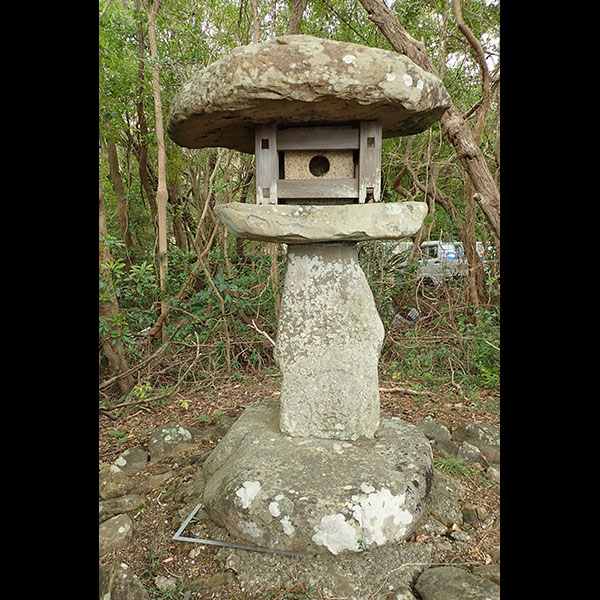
(267, 163)
(369, 162)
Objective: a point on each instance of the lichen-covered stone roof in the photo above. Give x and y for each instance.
(301, 80)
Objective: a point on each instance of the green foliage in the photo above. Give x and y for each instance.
(142, 280)
(456, 467)
(209, 418)
(452, 342)
(141, 391)
(453, 348)
(481, 338)
(119, 436)
(117, 329)
(363, 549)
(461, 469)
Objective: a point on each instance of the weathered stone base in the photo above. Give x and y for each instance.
(315, 495)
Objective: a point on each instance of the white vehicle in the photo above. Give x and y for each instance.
(438, 261)
(480, 249)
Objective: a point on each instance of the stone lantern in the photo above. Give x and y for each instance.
(322, 467)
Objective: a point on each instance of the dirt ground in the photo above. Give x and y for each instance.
(152, 551)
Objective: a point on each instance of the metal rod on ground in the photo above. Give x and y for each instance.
(179, 538)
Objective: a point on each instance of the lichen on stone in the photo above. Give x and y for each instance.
(248, 492)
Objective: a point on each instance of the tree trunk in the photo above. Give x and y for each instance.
(240, 242)
(109, 307)
(162, 193)
(117, 185)
(177, 202)
(255, 22)
(455, 127)
(296, 12)
(141, 151)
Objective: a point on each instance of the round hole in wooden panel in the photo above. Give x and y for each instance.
(318, 165)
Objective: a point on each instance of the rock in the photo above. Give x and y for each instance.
(448, 447)
(482, 513)
(485, 437)
(217, 429)
(493, 473)
(452, 583)
(112, 483)
(120, 505)
(115, 533)
(382, 573)
(166, 439)
(403, 595)
(328, 343)
(471, 453)
(211, 582)
(317, 495)
(443, 502)
(157, 480)
(443, 544)
(118, 582)
(474, 514)
(164, 583)
(219, 579)
(440, 435)
(469, 512)
(434, 431)
(308, 224)
(299, 79)
(459, 535)
(491, 572)
(430, 527)
(133, 460)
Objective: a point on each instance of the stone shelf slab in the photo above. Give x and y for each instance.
(309, 224)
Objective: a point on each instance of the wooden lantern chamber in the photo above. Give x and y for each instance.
(318, 165)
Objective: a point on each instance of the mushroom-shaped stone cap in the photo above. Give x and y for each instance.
(298, 80)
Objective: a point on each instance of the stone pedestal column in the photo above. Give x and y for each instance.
(328, 344)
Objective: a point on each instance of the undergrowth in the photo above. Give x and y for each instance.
(225, 326)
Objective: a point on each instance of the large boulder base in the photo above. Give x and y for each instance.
(317, 495)
(306, 224)
(298, 79)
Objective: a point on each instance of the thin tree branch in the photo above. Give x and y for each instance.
(485, 73)
(454, 126)
(403, 390)
(255, 327)
(104, 10)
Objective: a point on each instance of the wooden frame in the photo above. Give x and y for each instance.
(364, 188)
(318, 138)
(316, 188)
(267, 163)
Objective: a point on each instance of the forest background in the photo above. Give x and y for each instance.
(182, 304)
